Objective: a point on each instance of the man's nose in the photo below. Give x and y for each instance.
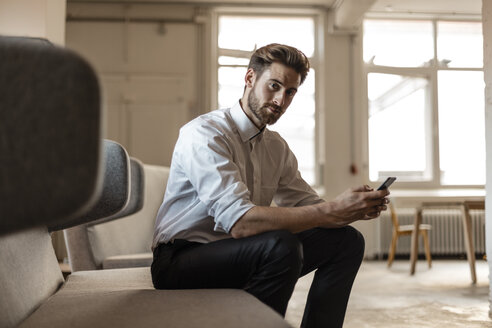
(279, 99)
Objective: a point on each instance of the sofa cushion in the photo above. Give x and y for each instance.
(109, 280)
(128, 261)
(126, 298)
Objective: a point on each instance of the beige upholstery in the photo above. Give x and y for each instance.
(29, 274)
(102, 300)
(128, 261)
(124, 242)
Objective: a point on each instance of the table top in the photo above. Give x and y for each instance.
(414, 197)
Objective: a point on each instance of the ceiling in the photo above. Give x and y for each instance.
(460, 7)
(379, 6)
(346, 14)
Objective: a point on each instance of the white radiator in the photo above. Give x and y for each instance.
(446, 236)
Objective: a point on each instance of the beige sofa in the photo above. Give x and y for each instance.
(57, 173)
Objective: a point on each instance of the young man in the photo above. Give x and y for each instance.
(216, 228)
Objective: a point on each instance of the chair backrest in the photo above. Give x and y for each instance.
(115, 193)
(132, 234)
(49, 134)
(50, 164)
(76, 237)
(91, 245)
(394, 216)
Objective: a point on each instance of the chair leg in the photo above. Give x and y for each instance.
(392, 250)
(425, 237)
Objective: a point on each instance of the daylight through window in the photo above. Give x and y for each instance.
(425, 101)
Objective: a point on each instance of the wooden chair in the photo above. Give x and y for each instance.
(406, 230)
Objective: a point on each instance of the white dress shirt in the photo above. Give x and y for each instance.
(222, 166)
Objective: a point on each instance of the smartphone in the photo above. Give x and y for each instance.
(387, 183)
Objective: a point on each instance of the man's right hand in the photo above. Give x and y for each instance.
(361, 203)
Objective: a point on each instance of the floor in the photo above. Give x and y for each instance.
(442, 296)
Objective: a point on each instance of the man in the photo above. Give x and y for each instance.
(216, 228)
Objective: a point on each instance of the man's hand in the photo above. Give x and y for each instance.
(361, 203)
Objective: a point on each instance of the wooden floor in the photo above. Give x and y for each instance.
(442, 296)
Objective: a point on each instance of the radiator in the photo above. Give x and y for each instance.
(446, 236)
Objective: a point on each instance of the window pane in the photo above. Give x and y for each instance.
(461, 127)
(397, 121)
(398, 43)
(460, 44)
(246, 32)
(226, 60)
(231, 85)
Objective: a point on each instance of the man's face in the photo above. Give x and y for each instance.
(271, 93)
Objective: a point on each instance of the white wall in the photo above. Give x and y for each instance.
(343, 137)
(148, 71)
(487, 38)
(34, 18)
(337, 116)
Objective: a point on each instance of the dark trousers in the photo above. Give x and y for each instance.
(267, 266)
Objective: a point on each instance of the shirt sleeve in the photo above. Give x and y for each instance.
(206, 157)
(293, 190)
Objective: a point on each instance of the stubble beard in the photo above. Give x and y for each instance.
(262, 113)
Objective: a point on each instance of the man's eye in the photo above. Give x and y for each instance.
(274, 86)
(291, 93)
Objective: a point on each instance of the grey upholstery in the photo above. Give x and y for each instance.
(115, 192)
(90, 244)
(47, 174)
(137, 193)
(51, 172)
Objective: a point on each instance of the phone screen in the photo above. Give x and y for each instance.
(387, 183)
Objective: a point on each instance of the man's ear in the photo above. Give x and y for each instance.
(250, 78)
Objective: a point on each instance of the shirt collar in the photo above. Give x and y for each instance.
(247, 129)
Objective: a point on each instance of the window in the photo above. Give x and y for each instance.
(238, 36)
(425, 101)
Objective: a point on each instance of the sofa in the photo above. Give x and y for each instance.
(122, 240)
(57, 173)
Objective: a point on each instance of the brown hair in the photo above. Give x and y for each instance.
(287, 55)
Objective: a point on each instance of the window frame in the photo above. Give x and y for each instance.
(432, 127)
(316, 61)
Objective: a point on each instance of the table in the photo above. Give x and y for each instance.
(464, 200)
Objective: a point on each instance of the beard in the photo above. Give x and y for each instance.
(262, 113)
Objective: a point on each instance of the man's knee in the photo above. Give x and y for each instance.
(356, 241)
